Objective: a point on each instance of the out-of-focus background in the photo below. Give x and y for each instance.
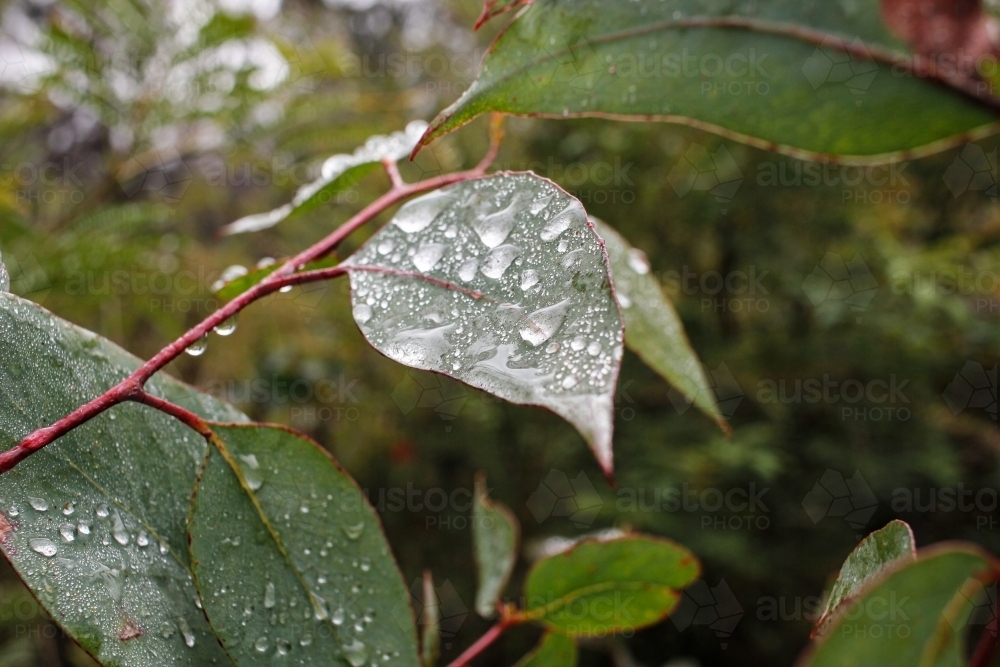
(131, 131)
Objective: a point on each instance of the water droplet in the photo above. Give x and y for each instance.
(386, 246)
(419, 213)
(269, 596)
(366, 564)
(362, 313)
(578, 343)
(494, 229)
(286, 289)
(529, 279)
(260, 644)
(356, 653)
(226, 328)
(83, 527)
(197, 348)
(594, 349)
(39, 504)
(306, 640)
(282, 647)
(542, 324)
(497, 260)
(539, 204)
(118, 529)
(101, 510)
(68, 532)
(338, 616)
(186, 632)
(69, 508)
(467, 271)
(569, 382)
(320, 609)
(354, 532)
(624, 301)
(428, 256)
(142, 539)
(637, 261)
(44, 546)
(560, 223)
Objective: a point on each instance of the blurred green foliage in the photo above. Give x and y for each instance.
(157, 124)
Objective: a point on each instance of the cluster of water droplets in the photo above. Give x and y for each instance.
(546, 331)
(394, 147)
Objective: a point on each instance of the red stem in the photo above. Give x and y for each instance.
(131, 388)
(480, 645)
(987, 648)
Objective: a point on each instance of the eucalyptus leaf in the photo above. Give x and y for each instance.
(653, 329)
(884, 548)
(494, 536)
(907, 615)
(811, 78)
(337, 174)
(95, 523)
(290, 558)
(500, 283)
(606, 586)
(554, 650)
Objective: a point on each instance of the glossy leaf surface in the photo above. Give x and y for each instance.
(502, 284)
(290, 557)
(810, 78)
(95, 524)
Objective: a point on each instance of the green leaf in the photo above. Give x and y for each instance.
(430, 624)
(502, 284)
(907, 615)
(337, 174)
(601, 587)
(788, 76)
(290, 558)
(554, 650)
(881, 549)
(494, 535)
(95, 523)
(653, 330)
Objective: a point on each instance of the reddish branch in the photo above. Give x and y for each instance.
(290, 273)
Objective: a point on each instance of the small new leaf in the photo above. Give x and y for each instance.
(338, 173)
(598, 587)
(495, 538)
(500, 283)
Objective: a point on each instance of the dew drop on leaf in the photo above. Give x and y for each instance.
(118, 529)
(428, 256)
(338, 616)
(321, 611)
(419, 213)
(542, 324)
(44, 546)
(68, 532)
(189, 639)
(354, 531)
(356, 653)
(39, 504)
(269, 595)
(261, 644)
(495, 263)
